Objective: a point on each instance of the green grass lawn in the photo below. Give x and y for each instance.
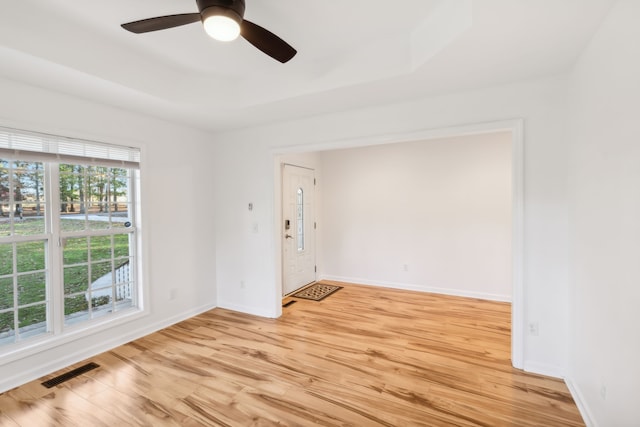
(78, 253)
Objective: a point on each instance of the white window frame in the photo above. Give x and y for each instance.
(52, 151)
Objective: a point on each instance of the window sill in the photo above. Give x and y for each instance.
(49, 341)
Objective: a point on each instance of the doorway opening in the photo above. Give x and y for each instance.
(514, 127)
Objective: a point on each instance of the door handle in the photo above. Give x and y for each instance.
(288, 236)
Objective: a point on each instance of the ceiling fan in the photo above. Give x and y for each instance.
(223, 20)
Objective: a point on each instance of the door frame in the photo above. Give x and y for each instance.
(515, 126)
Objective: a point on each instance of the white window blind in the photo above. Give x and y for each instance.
(25, 145)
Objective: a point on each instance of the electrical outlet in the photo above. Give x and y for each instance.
(533, 329)
(172, 294)
(603, 392)
(241, 284)
(405, 267)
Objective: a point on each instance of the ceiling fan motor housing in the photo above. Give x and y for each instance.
(233, 9)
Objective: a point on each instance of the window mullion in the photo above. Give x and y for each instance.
(56, 276)
(16, 317)
(134, 237)
(14, 266)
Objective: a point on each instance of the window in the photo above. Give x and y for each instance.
(96, 239)
(23, 248)
(68, 234)
(300, 218)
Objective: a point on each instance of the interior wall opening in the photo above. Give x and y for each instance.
(329, 236)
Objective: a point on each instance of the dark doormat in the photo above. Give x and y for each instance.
(317, 291)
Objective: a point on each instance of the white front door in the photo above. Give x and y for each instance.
(298, 228)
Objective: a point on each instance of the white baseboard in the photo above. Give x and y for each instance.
(9, 382)
(255, 311)
(581, 403)
(544, 369)
(420, 288)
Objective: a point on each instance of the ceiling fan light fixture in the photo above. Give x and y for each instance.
(221, 24)
(222, 20)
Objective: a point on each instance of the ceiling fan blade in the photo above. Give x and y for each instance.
(161, 22)
(267, 42)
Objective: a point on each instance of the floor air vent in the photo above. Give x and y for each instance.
(71, 374)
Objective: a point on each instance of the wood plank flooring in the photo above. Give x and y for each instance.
(364, 356)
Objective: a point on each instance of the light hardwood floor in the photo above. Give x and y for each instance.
(364, 356)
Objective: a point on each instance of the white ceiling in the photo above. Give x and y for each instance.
(351, 54)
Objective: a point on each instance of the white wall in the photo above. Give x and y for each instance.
(244, 171)
(605, 222)
(176, 254)
(442, 208)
